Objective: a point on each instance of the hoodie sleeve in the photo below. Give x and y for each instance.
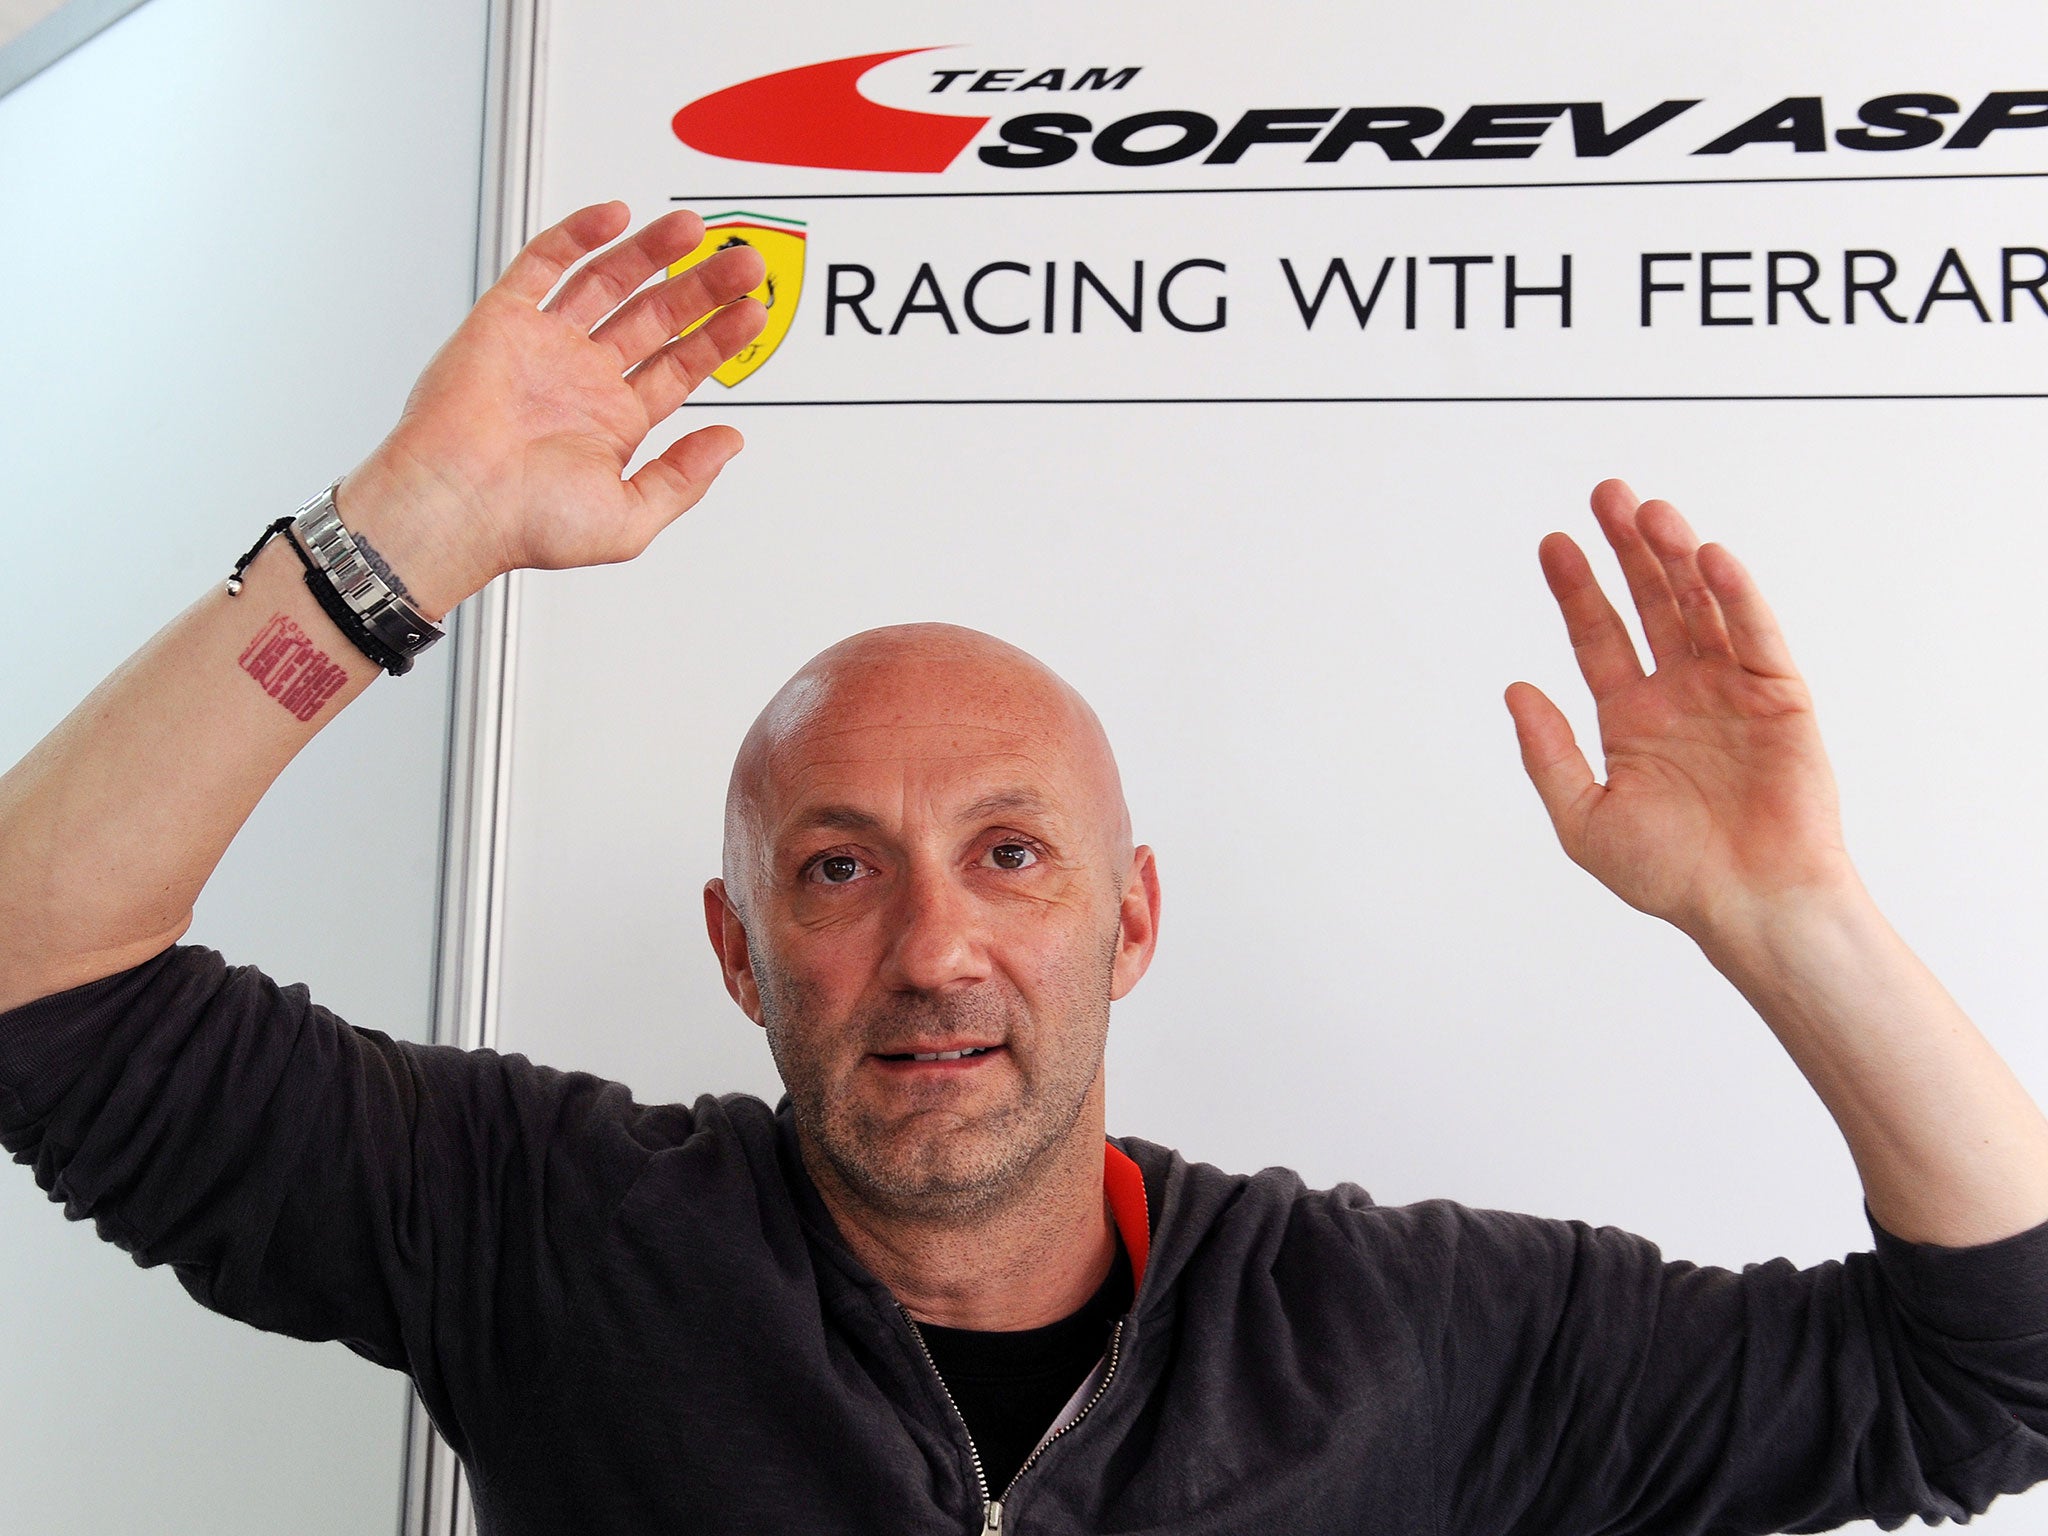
(314, 1179)
(1584, 1384)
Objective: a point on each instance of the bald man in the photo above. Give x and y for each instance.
(928, 855)
(927, 1292)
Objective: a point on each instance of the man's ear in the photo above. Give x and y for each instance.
(729, 943)
(1138, 933)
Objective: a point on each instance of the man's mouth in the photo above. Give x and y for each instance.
(962, 1053)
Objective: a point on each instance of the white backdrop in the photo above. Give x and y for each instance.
(1297, 618)
(187, 357)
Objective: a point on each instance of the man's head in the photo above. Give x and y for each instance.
(927, 851)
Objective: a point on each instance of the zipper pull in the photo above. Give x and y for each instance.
(992, 1521)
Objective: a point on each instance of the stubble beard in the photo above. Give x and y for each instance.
(938, 1165)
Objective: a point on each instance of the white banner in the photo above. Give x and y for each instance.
(1297, 619)
(1323, 217)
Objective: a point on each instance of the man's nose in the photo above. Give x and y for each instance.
(938, 941)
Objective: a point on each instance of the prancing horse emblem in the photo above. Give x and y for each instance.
(781, 244)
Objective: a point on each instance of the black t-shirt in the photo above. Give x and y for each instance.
(1009, 1386)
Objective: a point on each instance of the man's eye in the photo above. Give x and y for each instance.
(1012, 856)
(835, 869)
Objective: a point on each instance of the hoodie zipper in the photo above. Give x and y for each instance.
(992, 1508)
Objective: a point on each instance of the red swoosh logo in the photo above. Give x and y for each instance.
(817, 116)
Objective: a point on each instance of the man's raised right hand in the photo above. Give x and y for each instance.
(512, 448)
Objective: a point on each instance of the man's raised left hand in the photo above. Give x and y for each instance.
(1719, 805)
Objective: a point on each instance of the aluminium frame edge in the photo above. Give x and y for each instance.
(434, 1495)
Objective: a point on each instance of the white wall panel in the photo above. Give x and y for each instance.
(234, 233)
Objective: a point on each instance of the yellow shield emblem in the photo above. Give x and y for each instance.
(781, 244)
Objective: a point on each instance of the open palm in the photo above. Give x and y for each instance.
(515, 441)
(1718, 797)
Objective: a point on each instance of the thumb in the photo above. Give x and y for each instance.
(1554, 763)
(676, 480)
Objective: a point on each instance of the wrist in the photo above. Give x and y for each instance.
(410, 526)
(1764, 940)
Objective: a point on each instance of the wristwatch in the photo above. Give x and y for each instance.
(340, 574)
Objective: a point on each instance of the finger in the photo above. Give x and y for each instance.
(676, 480)
(1672, 541)
(652, 318)
(535, 270)
(1752, 630)
(610, 279)
(1614, 506)
(1606, 655)
(667, 378)
(1554, 763)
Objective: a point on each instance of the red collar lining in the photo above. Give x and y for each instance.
(1124, 1184)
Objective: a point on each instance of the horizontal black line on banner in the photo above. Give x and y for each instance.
(721, 405)
(1420, 186)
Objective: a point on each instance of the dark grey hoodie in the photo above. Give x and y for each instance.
(635, 1318)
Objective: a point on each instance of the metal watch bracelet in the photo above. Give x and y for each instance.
(333, 558)
(378, 621)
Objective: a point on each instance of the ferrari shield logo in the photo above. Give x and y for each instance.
(781, 244)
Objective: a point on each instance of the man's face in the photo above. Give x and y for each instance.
(939, 868)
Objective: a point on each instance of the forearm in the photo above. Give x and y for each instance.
(1950, 1147)
(511, 452)
(113, 823)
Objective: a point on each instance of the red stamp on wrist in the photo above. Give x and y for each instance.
(291, 670)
